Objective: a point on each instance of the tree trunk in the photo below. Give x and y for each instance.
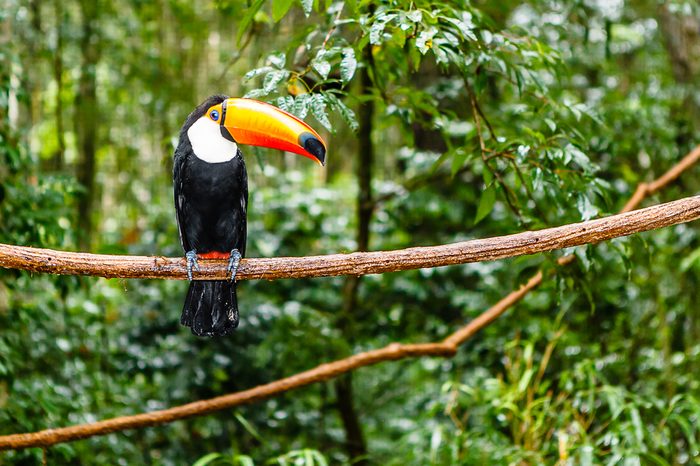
(86, 120)
(35, 48)
(58, 159)
(682, 40)
(355, 440)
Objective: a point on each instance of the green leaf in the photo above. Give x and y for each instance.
(377, 28)
(286, 103)
(398, 38)
(346, 113)
(321, 65)
(277, 60)
(440, 54)
(580, 158)
(487, 175)
(248, 426)
(308, 6)
(655, 458)
(280, 8)
(318, 109)
(486, 203)
(458, 159)
(688, 431)
(207, 459)
(525, 380)
(414, 54)
(244, 460)
(272, 79)
(586, 455)
(586, 207)
(255, 94)
(256, 72)
(301, 106)
(248, 18)
(690, 260)
(320, 459)
(415, 16)
(348, 64)
(638, 425)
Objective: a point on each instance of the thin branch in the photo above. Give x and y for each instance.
(358, 263)
(333, 27)
(475, 102)
(392, 352)
(512, 203)
(238, 54)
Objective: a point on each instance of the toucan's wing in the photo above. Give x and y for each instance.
(178, 180)
(242, 225)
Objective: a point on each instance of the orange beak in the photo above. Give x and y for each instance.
(256, 123)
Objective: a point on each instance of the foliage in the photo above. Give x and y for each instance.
(488, 118)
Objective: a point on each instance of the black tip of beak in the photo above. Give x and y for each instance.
(313, 146)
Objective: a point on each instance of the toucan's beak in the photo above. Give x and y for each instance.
(256, 123)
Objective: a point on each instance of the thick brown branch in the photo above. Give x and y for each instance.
(323, 372)
(358, 263)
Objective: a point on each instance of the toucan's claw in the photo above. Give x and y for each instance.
(233, 262)
(191, 257)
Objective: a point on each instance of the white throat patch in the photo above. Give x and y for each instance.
(207, 142)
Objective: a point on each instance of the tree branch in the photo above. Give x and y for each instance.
(358, 263)
(392, 352)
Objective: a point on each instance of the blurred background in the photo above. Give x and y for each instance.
(445, 121)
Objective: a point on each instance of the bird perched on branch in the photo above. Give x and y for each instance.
(211, 194)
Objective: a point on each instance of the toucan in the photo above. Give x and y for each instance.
(211, 194)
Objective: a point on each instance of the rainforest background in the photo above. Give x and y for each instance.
(445, 121)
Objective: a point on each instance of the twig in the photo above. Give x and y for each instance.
(357, 263)
(481, 112)
(309, 66)
(392, 352)
(237, 56)
(333, 27)
(512, 203)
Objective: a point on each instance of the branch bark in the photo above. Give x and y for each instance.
(392, 352)
(358, 263)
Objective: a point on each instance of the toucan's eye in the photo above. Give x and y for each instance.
(214, 115)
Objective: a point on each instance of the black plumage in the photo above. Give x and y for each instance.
(211, 201)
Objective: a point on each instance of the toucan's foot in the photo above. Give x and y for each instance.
(191, 257)
(233, 261)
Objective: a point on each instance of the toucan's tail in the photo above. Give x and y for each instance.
(211, 308)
